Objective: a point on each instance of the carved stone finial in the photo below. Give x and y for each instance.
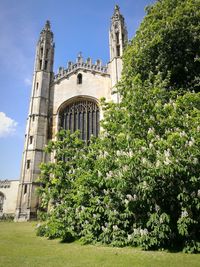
(47, 25)
(80, 55)
(116, 14)
(116, 8)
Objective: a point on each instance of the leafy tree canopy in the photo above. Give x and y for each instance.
(168, 42)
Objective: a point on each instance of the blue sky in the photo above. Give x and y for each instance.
(79, 25)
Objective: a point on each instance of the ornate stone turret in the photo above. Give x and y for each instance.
(37, 126)
(118, 37)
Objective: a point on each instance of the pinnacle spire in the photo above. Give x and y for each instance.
(116, 14)
(116, 8)
(47, 26)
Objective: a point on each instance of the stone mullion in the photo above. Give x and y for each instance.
(66, 118)
(68, 121)
(87, 123)
(90, 119)
(97, 124)
(64, 121)
(81, 124)
(73, 124)
(84, 125)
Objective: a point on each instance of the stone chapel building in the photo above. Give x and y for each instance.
(69, 100)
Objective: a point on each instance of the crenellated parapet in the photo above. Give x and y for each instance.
(87, 65)
(5, 183)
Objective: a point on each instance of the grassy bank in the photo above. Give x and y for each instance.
(20, 247)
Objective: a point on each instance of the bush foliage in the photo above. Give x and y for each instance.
(138, 184)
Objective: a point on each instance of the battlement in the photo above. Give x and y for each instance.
(5, 183)
(80, 64)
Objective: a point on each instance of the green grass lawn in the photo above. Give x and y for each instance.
(19, 247)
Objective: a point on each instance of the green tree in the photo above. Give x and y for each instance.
(168, 42)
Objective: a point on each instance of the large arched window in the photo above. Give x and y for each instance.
(83, 115)
(1, 201)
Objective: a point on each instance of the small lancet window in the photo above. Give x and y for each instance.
(79, 78)
(30, 140)
(25, 189)
(47, 52)
(122, 38)
(40, 64)
(28, 164)
(41, 51)
(117, 37)
(45, 66)
(118, 51)
(37, 85)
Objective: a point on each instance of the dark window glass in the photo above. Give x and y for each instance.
(25, 188)
(28, 164)
(79, 78)
(30, 140)
(118, 51)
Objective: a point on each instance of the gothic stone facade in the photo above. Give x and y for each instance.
(69, 100)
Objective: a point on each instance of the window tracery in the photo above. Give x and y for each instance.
(82, 115)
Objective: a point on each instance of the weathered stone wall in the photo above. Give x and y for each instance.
(94, 85)
(9, 190)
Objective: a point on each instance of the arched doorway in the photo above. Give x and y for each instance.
(81, 114)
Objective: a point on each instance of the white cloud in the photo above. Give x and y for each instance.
(7, 125)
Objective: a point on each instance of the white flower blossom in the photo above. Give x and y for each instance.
(191, 142)
(118, 153)
(130, 153)
(184, 214)
(158, 163)
(198, 193)
(144, 161)
(135, 197)
(150, 145)
(174, 105)
(129, 197)
(167, 161)
(143, 148)
(143, 232)
(167, 153)
(157, 137)
(126, 201)
(105, 153)
(183, 133)
(99, 173)
(150, 130)
(109, 174)
(136, 231)
(157, 208)
(115, 227)
(129, 237)
(125, 168)
(105, 192)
